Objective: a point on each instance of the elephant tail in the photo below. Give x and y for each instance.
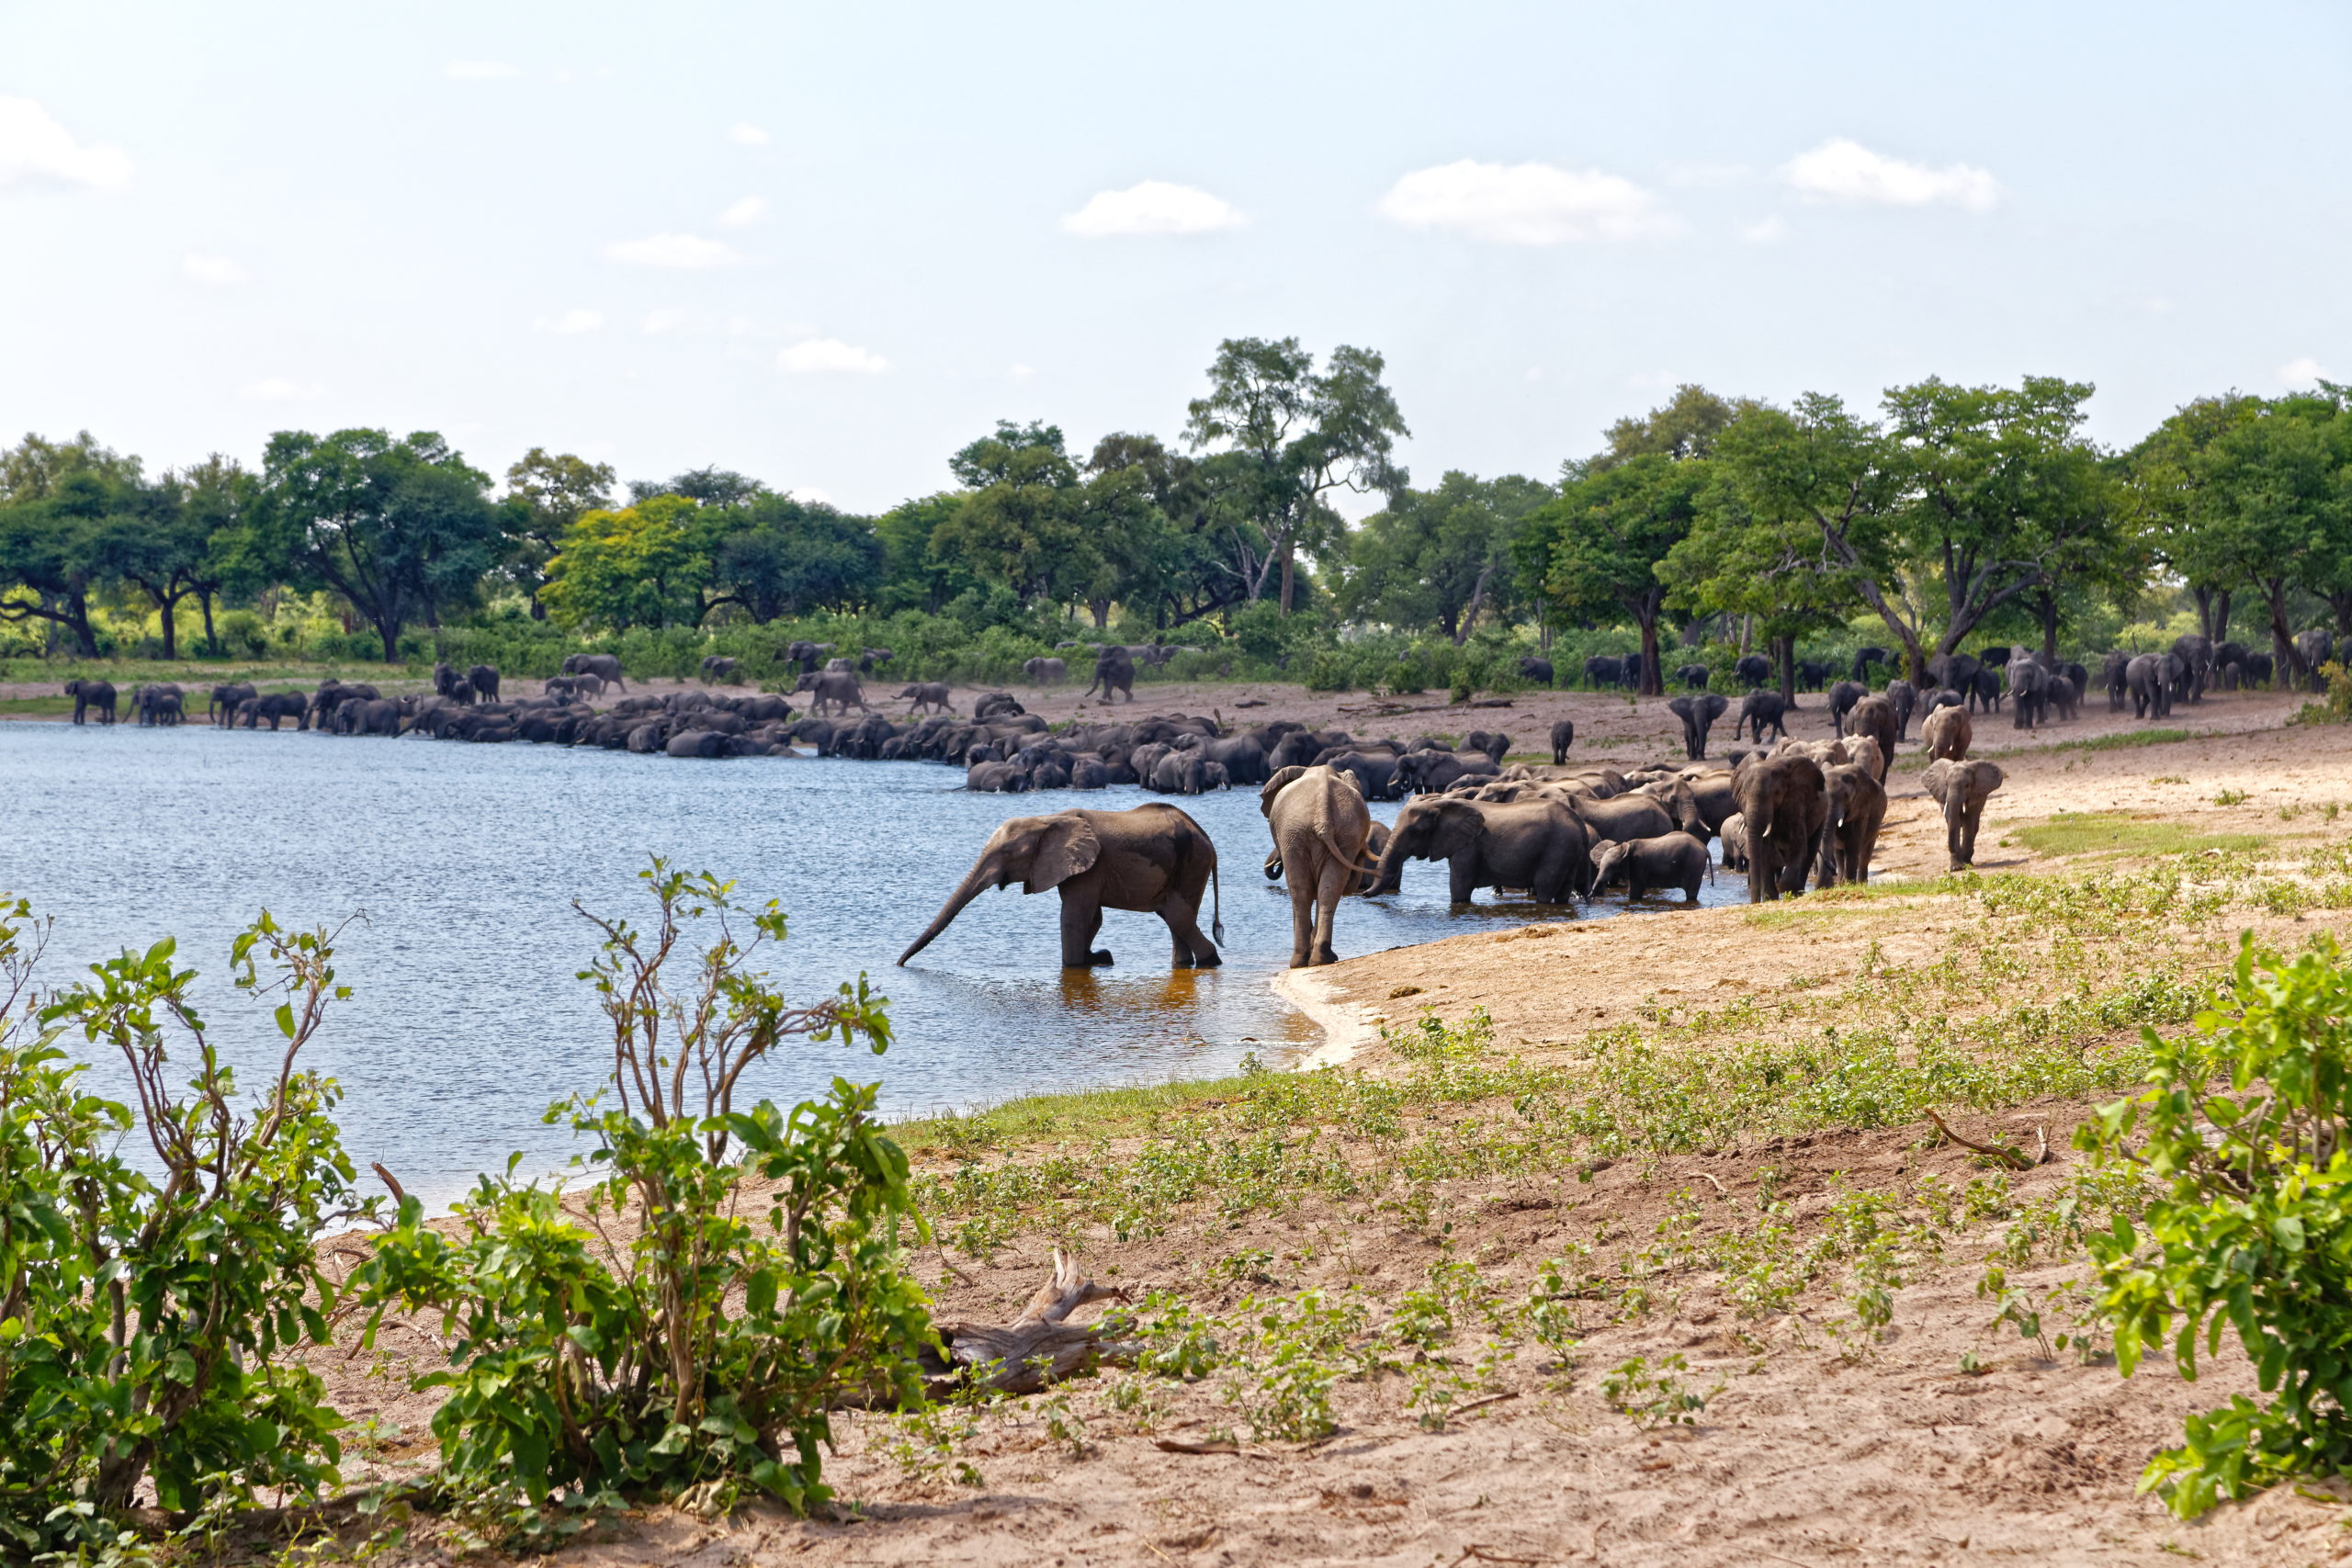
(1216, 909)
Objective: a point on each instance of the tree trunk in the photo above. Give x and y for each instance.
(1101, 610)
(1288, 581)
(1650, 686)
(2048, 609)
(2221, 617)
(171, 637)
(2204, 597)
(1784, 654)
(390, 632)
(1039, 1346)
(2282, 638)
(212, 637)
(1747, 634)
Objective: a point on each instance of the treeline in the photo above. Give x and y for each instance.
(1951, 515)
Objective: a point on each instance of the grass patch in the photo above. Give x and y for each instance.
(1085, 1114)
(2121, 740)
(2114, 833)
(36, 707)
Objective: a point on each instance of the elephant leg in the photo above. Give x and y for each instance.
(1082, 918)
(1462, 875)
(1302, 922)
(1332, 886)
(1192, 949)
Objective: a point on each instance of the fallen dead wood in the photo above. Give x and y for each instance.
(1216, 1446)
(2015, 1158)
(1041, 1345)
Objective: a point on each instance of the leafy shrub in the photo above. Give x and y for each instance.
(704, 1350)
(2337, 707)
(145, 1325)
(1651, 1393)
(2244, 1143)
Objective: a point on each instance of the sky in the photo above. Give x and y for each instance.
(827, 246)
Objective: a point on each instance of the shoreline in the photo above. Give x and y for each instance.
(1347, 1029)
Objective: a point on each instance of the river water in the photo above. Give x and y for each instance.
(463, 863)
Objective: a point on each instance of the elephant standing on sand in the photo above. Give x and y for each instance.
(1564, 735)
(1322, 833)
(1962, 788)
(87, 694)
(1698, 715)
(1154, 858)
(1045, 672)
(1948, 733)
(605, 667)
(1536, 845)
(1849, 833)
(1114, 671)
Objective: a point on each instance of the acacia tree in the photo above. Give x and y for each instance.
(1602, 540)
(1287, 437)
(51, 494)
(149, 539)
(1776, 569)
(399, 528)
(2281, 503)
(1439, 556)
(2170, 488)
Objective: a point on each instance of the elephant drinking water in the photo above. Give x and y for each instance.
(1154, 858)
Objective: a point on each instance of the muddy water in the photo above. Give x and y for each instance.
(461, 864)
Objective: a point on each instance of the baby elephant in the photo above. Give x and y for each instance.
(1962, 788)
(1670, 859)
(1948, 733)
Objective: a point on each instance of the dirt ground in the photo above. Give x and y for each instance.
(1815, 1447)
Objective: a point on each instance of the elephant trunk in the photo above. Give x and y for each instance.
(1389, 870)
(976, 882)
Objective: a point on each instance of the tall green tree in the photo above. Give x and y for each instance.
(52, 495)
(1019, 522)
(149, 540)
(1602, 541)
(403, 529)
(1285, 437)
(776, 556)
(1440, 557)
(914, 576)
(2281, 487)
(644, 565)
(547, 492)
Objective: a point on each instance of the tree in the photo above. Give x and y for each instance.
(642, 566)
(1286, 438)
(1440, 556)
(915, 576)
(1687, 425)
(400, 529)
(547, 494)
(776, 556)
(705, 487)
(47, 528)
(1774, 568)
(2280, 508)
(1608, 532)
(1018, 524)
(149, 539)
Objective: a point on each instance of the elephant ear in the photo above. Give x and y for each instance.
(1938, 773)
(1283, 778)
(1679, 707)
(1067, 847)
(1990, 776)
(1716, 702)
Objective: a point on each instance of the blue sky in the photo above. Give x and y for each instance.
(826, 245)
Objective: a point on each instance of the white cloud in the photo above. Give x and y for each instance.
(2304, 372)
(478, 71)
(1524, 204)
(830, 355)
(1154, 207)
(36, 150)
(217, 271)
(690, 253)
(1020, 372)
(278, 389)
(751, 209)
(1843, 170)
(572, 324)
(745, 134)
(1764, 232)
(658, 321)
(811, 493)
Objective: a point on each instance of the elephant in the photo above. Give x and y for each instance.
(2255, 669)
(1495, 745)
(698, 743)
(1944, 697)
(1154, 859)
(1757, 709)
(1322, 833)
(1602, 671)
(869, 657)
(222, 706)
(1187, 772)
(1903, 698)
(1670, 859)
(1377, 774)
(2113, 676)
(564, 688)
(1537, 844)
(1733, 834)
(1995, 656)
(159, 704)
(1430, 772)
(1753, 668)
(1961, 789)
(2195, 652)
(445, 682)
(1948, 733)
(2149, 677)
(2066, 696)
(1624, 816)
(1694, 677)
(1850, 832)
(1866, 657)
(1842, 698)
(484, 680)
(1630, 672)
(1045, 672)
(2314, 649)
(1564, 735)
(2030, 688)
(1956, 671)
(921, 695)
(1114, 671)
(367, 716)
(274, 706)
(1985, 692)
(87, 695)
(1812, 675)
(719, 669)
(809, 656)
(605, 667)
(1785, 801)
(1873, 718)
(1698, 715)
(993, 704)
(1536, 670)
(836, 687)
(1243, 756)
(992, 777)
(2224, 657)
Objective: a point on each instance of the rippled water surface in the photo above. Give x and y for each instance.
(466, 860)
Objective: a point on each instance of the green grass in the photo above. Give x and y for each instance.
(37, 707)
(2123, 740)
(1086, 1114)
(2115, 832)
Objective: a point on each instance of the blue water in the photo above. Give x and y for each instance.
(461, 863)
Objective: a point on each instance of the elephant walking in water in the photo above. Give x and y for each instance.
(1322, 833)
(1154, 859)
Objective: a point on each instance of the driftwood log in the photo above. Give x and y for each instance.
(1041, 1345)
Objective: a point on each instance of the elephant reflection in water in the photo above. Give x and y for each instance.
(1083, 992)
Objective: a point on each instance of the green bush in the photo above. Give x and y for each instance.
(2243, 1133)
(705, 1353)
(146, 1325)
